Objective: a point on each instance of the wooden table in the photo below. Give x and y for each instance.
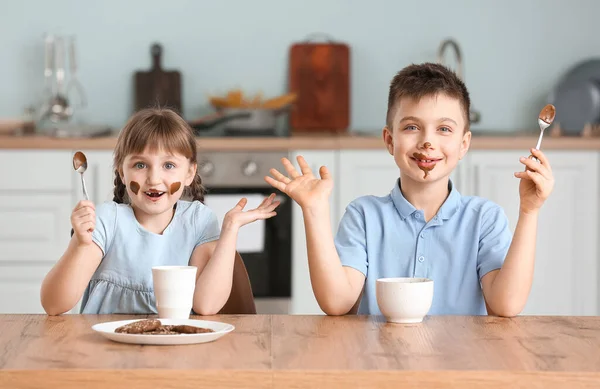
(309, 352)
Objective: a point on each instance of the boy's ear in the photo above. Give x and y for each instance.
(388, 139)
(465, 144)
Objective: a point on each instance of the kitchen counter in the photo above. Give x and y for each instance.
(304, 142)
(283, 351)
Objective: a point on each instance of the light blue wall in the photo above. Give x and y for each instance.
(514, 49)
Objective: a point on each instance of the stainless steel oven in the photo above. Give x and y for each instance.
(265, 246)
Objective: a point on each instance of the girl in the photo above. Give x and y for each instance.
(113, 248)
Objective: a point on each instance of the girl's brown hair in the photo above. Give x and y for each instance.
(156, 128)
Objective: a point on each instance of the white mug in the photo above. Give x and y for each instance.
(174, 290)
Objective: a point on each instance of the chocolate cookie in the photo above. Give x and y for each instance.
(139, 327)
(162, 330)
(185, 329)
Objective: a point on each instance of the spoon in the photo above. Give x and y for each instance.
(545, 119)
(80, 166)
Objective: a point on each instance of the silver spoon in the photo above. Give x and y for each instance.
(80, 166)
(545, 119)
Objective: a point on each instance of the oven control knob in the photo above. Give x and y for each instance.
(206, 169)
(249, 168)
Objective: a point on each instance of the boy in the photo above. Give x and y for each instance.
(424, 227)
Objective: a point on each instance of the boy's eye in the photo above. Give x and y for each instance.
(169, 165)
(411, 128)
(139, 165)
(445, 129)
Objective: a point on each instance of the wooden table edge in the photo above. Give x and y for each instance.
(281, 379)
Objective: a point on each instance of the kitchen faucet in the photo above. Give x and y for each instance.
(474, 116)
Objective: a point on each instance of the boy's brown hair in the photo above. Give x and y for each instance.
(427, 79)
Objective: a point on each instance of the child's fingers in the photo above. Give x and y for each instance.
(542, 157)
(84, 204)
(535, 166)
(83, 212)
(265, 215)
(279, 177)
(272, 206)
(537, 178)
(86, 227)
(324, 173)
(242, 203)
(304, 167)
(292, 172)
(267, 201)
(275, 184)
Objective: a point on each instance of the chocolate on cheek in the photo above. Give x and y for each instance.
(175, 187)
(134, 187)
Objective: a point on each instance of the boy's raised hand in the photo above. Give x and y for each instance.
(304, 188)
(537, 181)
(237, 217)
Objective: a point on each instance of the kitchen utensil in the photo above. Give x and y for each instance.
(157, 86)
(80, 166)
(319, 73)
(74, 83)
(474, 115)
(59, 108)
(576, 97)
(545, 119)
(209, 121)
(248, 121)
(260, 119)
(48, 92)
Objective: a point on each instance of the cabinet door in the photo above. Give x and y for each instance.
(303, 298)
(566, 269)
(35, 208)
(371, 172)
(20, 284)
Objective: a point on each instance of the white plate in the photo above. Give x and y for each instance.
(108, 330)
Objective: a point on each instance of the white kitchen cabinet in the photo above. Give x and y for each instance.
(35, 204)
(566, 271)
(303, 298)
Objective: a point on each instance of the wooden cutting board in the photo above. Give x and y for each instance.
(158, 87)
(320, 76)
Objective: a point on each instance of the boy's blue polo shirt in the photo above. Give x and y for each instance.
(388, 237)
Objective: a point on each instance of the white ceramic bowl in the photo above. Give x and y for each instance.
(404, 300)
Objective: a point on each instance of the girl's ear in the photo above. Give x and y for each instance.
(191, 174)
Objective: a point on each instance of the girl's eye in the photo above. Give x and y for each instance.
(169, 166)
(140, 165)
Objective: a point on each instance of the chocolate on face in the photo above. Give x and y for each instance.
(426, 145)
(175, 187)
(134, 187)
(426, 169)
